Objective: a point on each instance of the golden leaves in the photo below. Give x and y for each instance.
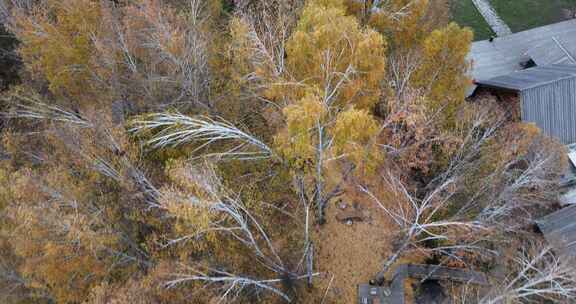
(297, 142)
(57, 42)
(331, 53)
(445, 84)
(355, 133)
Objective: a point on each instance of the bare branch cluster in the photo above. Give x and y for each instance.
(232, 218)
(174, 129)
(541, 276)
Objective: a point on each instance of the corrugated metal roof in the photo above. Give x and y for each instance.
(547, 97)
(552, 107)
(559, 229)
(530, 78)
(568, 198)
(544, 45)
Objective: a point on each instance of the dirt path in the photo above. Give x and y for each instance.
(496, 23)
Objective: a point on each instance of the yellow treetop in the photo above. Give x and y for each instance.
(443, 71)
(404, 21)
(297, 142)
(355, 133)
(333, 55)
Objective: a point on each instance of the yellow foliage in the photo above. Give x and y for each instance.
(404, 21)
(86, 224)
(298, 142)
(189, 200)
(445, 84)
(241, 46)
(329, 52)
(63, 250)
(56, 42)
(355, 133)
(147, 288)
(334, 65)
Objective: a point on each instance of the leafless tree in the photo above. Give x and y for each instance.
(532, 180)
(166, 53)
(232, 285)
(539, 275)
(478, 210)
(28, 107)
(103, 154)
(244, 227)
(269, 27)
(7, 5)
(188, 68)
(420, 222)
(386, 7)
(419, 216)
(401, 68)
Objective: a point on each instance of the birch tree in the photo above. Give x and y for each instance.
(539, 274)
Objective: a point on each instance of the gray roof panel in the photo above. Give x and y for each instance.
(554, 50)
(559, 229)
(505, 54)
(530, 78)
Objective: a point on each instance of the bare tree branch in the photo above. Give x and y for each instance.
(177, 129)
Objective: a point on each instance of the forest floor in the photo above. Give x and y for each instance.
(351, 253)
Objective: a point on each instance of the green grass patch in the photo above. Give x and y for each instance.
(522, 15)
(465, 13)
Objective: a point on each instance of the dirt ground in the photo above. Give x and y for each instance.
(351, 252)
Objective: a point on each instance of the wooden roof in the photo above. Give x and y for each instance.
(368, 294)
(559, 229)
(555, 50)
(550, 44)
(530, 78)
(396, 293)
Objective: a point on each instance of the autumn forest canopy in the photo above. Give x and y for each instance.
(260, 151)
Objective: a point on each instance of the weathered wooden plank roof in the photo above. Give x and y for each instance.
(530, 78)
(544, 45)
(435, 272)
(555, 50)
(368, 294)
(430, 272)
(559, 229)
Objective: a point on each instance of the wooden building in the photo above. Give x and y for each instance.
(545, 45)
(395, 293)
(547, 97)
(538, 68)
(559, 229)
